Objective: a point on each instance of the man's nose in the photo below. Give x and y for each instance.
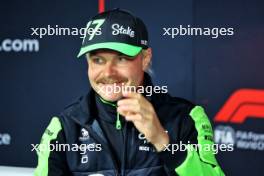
(109, 69)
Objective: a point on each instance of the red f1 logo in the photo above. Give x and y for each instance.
(242, 104)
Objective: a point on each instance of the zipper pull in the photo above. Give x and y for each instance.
(118, 122)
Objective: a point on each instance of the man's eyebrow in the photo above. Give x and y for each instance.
(95, 55)
(92, 54)
(121, 54)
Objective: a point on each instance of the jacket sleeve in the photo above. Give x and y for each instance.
(198, 158)
(51, 161)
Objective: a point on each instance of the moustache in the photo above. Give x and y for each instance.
(111, 80)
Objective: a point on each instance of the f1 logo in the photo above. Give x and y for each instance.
(242, 104)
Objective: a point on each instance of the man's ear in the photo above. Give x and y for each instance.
(147, 56)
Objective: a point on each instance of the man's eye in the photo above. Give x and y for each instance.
(98, 60)
(122, 59)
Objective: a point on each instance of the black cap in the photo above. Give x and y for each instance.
(117, 30)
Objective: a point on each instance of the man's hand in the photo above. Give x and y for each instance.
(139, 110)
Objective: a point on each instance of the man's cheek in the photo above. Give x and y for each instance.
(135, 81)
(92, 76)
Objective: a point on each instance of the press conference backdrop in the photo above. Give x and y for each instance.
(40, 74)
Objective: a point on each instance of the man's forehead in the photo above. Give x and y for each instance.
(105, 51)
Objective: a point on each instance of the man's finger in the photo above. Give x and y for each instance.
(127, 101)
(133, 118)
(128, 108)
(130, 94)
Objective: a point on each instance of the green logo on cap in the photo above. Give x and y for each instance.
(92, 31)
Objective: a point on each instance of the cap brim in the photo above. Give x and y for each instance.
(124, 48)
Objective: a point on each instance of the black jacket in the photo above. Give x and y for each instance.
(126, 152)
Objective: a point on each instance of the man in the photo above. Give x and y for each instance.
(125, 131)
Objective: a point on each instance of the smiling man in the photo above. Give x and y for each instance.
(110, 69)
(123, 131)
